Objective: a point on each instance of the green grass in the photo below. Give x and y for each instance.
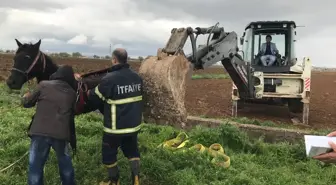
(253, 162)
(210, 76)
(245, 120)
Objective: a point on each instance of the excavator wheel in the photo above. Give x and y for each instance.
(165, 79)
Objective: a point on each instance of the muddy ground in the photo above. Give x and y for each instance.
(212, 97)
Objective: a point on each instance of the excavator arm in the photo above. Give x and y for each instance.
(220, 46)
(165, 75)
(223, 46)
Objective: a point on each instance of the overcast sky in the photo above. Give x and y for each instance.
(141, 26)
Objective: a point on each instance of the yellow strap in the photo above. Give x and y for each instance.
(221, 160)
(219, 157)
(175, 144)
(179, 142)
(198, 147)
(217, 147)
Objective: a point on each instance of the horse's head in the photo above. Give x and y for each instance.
(29, 62)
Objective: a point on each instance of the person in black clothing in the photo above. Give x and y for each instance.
(119, 97)
(52, 125)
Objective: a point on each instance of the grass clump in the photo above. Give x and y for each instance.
(268, 123)
(253, 162)
(210, 76)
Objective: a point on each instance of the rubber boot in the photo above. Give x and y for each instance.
(113, 176)
(135, 168)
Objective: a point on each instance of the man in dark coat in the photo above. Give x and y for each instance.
(52, 124)
(119, 97)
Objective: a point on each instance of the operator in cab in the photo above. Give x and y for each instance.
(119, 97)
(268, 51)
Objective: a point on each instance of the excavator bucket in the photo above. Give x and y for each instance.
(165, 77)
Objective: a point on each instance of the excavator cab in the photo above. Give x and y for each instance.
(283, 36)
(278, 40)
(286, 82)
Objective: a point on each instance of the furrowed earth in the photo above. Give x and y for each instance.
(253, 162)
(209, 94)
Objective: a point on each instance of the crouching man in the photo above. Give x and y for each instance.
(119, 97)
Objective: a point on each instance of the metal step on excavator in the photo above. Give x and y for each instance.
(166, 75)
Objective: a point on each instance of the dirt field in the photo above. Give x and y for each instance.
(212, 97)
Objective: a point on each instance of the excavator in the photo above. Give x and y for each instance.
(286, 82)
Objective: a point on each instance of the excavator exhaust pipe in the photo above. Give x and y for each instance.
(165, 78)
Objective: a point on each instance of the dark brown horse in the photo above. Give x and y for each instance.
(30, 62)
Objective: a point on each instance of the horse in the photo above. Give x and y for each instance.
(30, 62)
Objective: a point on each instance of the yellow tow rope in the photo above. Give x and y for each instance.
(216, 151)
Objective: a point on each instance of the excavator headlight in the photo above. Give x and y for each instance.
(285, 25)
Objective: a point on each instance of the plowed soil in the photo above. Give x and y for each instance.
(212, 97)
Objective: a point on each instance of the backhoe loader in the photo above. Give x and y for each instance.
(286, 82)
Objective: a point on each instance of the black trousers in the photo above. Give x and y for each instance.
(128, 145)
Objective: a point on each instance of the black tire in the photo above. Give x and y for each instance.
(295, 105)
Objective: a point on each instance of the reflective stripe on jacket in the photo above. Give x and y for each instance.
(119, 96)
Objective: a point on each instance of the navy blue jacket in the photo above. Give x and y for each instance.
(119, 98)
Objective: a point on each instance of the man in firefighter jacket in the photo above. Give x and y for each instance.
(119, 96)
